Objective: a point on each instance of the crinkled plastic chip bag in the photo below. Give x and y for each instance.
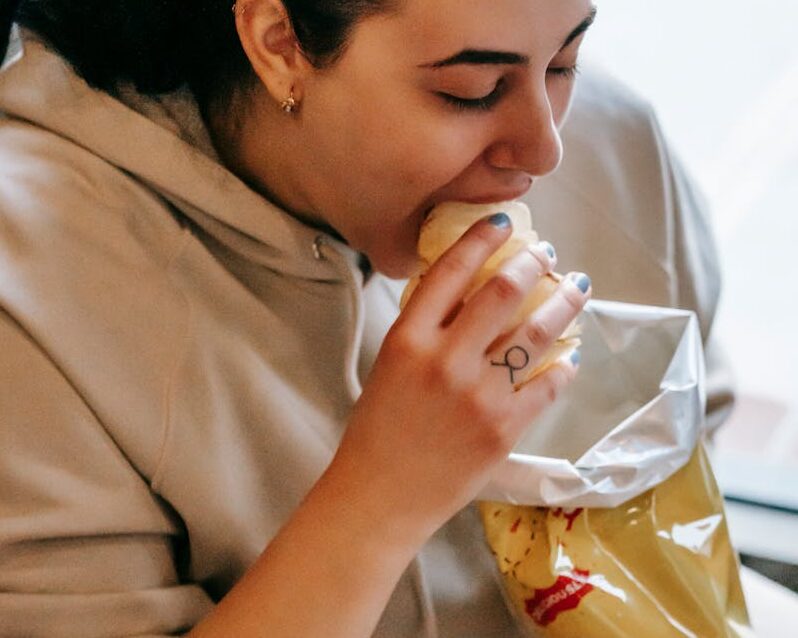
(606, 520)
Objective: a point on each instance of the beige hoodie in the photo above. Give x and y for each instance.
(178, 358)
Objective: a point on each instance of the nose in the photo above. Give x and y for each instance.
(529, 139)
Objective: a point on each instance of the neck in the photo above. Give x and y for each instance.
(261, 146)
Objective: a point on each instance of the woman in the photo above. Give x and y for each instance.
(193, 201)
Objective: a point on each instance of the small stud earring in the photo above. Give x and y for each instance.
(289, 104)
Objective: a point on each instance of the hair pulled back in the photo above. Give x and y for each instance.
(160, 45)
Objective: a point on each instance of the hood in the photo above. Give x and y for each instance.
(163, 143)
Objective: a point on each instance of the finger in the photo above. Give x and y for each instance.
(521, 351)
(536, 396)
(445, 283)
(487, 313)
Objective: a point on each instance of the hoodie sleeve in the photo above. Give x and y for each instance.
(86, 549)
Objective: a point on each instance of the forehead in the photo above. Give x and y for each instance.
(433, 27)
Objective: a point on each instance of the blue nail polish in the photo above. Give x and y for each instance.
(500, 220)
(576, 358)
(549, 249)
(582, 282)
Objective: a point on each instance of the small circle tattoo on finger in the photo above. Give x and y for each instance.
(516, 359)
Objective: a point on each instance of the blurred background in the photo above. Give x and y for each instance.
(723, 77)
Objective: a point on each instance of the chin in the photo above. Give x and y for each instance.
(396, 267)
(397, 273)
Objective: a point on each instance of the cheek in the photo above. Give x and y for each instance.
(424, 152)
(391, 141)
(403, 175)
(391, 156)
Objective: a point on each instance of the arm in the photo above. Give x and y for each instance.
(434, 419)
(329, 572)
(85, 549)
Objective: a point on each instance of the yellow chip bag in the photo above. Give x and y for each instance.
(659, 566)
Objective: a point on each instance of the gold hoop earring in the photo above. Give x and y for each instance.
(289, 105)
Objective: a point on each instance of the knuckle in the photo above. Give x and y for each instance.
(507, 287)
(539, 331)
(405, 344)
(554, 382)
(454, 263)
(551, 389)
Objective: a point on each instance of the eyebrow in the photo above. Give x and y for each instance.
(583, 26)
(487, 56)
(479, 56)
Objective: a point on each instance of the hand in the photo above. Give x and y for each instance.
(440, 409)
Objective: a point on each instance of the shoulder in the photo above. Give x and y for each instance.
(72, 222)
(53, 188)
(77, 234)
(85, 254)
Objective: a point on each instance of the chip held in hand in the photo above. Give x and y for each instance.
(447, 222)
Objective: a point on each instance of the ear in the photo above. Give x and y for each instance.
(270, 44)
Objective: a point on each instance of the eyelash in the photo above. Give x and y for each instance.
(566, 72)
(487, 102)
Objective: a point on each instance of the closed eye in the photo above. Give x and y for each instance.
(484, 103)
(565, 72)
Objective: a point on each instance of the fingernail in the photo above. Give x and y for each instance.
(549, 249)
(576, 358)
(582, 282)
(500, 220)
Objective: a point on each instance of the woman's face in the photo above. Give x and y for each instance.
(444, 100)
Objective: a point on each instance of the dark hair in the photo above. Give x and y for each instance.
(7, 10)
(159, 45)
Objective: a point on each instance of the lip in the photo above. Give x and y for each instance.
(497, 197)
(494, 199)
